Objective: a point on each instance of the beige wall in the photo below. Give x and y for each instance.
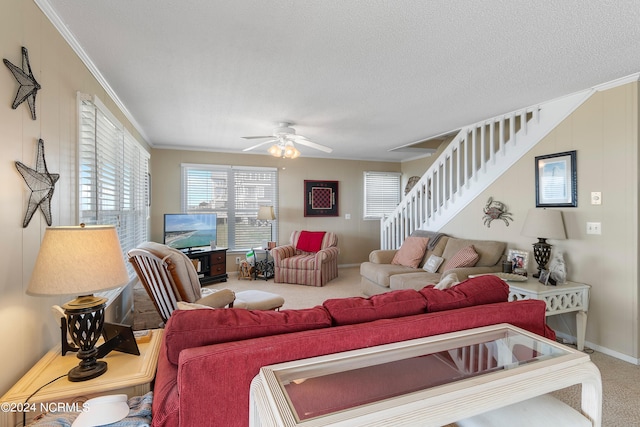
(604, 131)
(356, 237)
(26, 325)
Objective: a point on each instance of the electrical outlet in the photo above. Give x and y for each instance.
(594, 228)
(237, 260)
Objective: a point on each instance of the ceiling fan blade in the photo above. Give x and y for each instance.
(259, 145)
(304, 141)
(256, 137)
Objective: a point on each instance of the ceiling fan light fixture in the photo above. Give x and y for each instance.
(290, 152)
(275, 150)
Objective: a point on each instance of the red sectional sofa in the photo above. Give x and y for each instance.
(209, 357)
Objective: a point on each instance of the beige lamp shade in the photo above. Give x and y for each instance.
(78, 261)
(266, 213)
(544, 223)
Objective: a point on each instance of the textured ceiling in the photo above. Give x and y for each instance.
(359, 76)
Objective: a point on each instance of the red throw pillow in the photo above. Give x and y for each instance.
(466, 257)
(476, 291)
(347, 311)
(196, 328)
(411, 252)
(310, 241)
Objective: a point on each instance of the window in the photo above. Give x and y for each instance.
(381, 193)
(113, 175)
(235, 194)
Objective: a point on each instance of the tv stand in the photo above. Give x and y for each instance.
(211, 264)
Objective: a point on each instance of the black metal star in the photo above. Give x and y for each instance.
(28, 84)
(41, 183)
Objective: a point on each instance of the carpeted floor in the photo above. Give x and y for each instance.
(620, 380)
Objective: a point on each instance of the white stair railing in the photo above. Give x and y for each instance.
(475, 158)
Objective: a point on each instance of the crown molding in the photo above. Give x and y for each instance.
(54, 18)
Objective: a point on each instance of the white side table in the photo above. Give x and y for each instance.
(565, 298)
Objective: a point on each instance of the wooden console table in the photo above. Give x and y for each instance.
(566, 298)
(126, 374)
(211, 264)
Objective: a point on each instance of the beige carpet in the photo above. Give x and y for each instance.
(620, 380)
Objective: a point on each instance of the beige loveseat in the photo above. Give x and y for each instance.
(379, 275)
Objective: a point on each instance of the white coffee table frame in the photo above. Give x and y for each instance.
(439, 405)
(565, 298)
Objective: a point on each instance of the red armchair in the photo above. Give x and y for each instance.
(311, 259)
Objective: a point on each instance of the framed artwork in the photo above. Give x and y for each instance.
(556, 180)
(320, 198)
(519, 259)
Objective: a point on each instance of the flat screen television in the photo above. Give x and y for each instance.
(187, 231)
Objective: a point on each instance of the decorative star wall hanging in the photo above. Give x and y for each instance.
(41, 183)
(28, 84)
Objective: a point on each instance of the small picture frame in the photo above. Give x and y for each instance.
(545, 278)
(519, 260)
(556, 180)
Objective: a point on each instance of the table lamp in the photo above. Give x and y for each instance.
(80, 261)
(547, 223)
(266, 213)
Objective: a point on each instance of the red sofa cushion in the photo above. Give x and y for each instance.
(475, 291)
(347, 311)
(197, 328)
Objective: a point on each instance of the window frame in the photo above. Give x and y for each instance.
(239, 208)
(113, 175)
(372, 180)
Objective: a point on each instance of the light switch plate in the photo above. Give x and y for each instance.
(594, 228)
(596, 198)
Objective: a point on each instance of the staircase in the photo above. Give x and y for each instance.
(474, 159)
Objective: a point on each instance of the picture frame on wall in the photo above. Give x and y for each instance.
(321, 198)
(556, 180)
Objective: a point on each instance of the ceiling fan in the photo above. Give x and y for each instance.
(283, 138)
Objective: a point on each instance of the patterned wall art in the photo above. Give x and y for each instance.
(41, 183)
(321, 198)
(29, 87)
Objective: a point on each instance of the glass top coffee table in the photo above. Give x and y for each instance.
(429, 381)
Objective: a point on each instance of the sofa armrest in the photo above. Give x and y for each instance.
(281, 252)
(382, 256)
(463, 273)
(328, 253)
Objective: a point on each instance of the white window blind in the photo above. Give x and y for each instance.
(381, 193)
(113, 176)
(235, 194)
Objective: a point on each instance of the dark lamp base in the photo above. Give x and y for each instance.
(541, 253)
(80, 373)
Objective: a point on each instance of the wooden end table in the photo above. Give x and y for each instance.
(126, 374)
(565, 298)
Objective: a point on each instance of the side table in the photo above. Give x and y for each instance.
(126, 374)
(564, 298)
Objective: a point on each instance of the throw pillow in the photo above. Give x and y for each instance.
(475, 291)
(448, 281)
(310, 241)
(466, 257)
(411, 252)
(433, 263)
(348, 311)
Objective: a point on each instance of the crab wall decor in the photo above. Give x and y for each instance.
(496, 210)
